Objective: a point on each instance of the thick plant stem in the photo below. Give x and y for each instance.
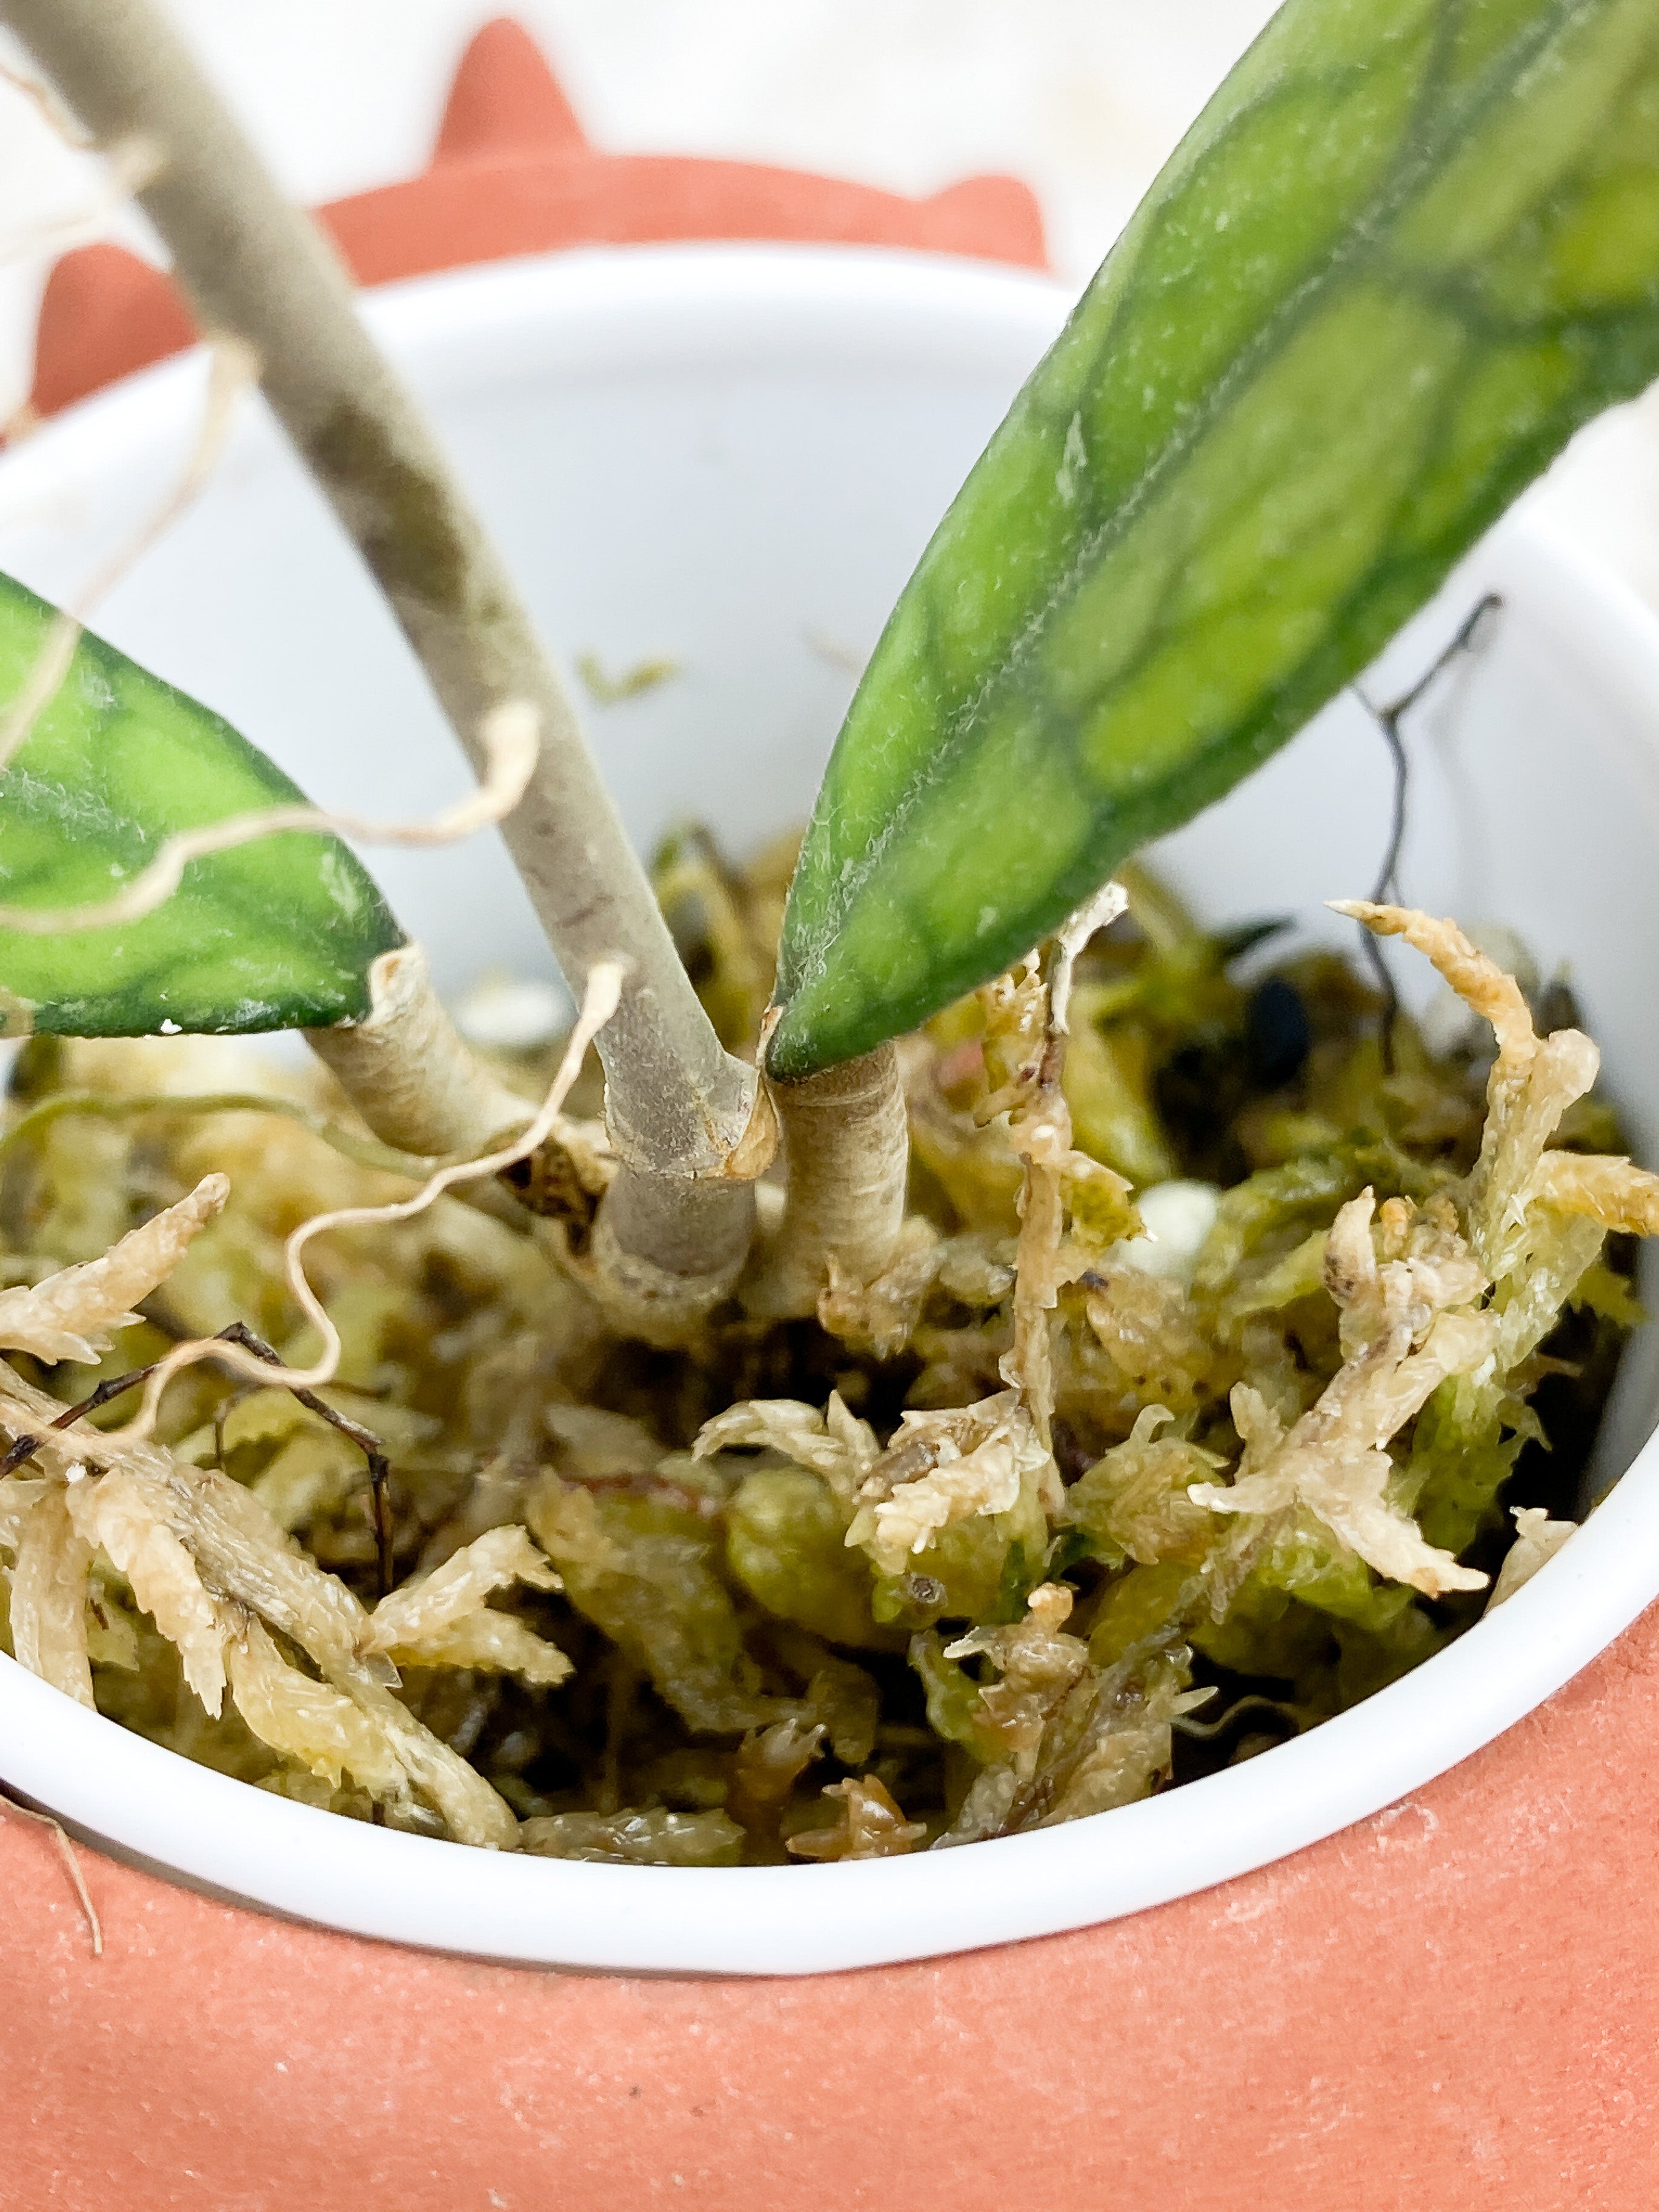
(845, 1143)
(418, 1087)
(697, 1253)
(408, 1072)
(258, 268)
(415, 1080)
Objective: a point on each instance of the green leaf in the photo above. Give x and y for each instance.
(276, 934)
(1408, 249)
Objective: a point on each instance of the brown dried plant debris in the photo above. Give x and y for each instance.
(870, 1825)
(1537, 1541)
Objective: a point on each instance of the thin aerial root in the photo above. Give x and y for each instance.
(380, 1467)
(71, 1864)
(1388, 718)
(604, 990)
(232, 367)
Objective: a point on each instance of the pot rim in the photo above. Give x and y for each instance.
(149, 1803)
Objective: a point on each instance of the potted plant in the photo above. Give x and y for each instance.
(814, 964)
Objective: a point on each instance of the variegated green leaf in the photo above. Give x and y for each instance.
(274, 934)
(1408, 249)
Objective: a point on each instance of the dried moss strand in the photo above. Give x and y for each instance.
(60, 1836)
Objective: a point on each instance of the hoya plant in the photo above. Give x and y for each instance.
(1408, 249)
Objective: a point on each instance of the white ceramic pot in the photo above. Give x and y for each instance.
(732, 456)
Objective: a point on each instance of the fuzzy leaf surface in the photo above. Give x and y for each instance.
(274, 934)
(1408, 249)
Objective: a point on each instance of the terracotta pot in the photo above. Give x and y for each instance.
(1355, 2027)
(513, 172)
(1450, 2005)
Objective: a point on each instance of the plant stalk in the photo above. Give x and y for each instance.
(846, 1145)
(408, 1071)
(258, 268)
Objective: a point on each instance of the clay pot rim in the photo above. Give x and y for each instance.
(151, 1805)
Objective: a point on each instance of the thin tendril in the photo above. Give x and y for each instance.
(1388, 718)
(1241, 1709)
(71, 1863)
(599, 1003)
(379, 1468)
(237, 1333)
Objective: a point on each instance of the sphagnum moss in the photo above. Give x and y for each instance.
(1215, 1327)
(651, 1606)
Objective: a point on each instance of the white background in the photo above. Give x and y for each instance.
(1082, 98)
